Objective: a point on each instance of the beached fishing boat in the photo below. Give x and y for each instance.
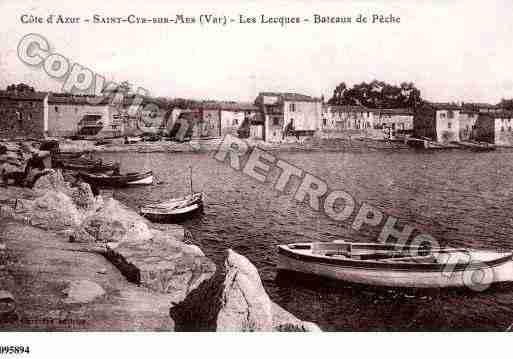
(60, 156)
(86, 165)
(118, 180)
(174, 210)
(477, 146)
(427, 144)
(388, 265)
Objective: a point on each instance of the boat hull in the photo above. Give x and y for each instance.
(86, 165)
(175, 210)
(119, 181)
(457, 276)
(143, 181)
(179, 215)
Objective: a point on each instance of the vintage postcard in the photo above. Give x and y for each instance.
(263, 166)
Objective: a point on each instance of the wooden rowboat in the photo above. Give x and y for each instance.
(121, 180)
(391, 266)
(174, 210)
(67, 155)
(86, 165)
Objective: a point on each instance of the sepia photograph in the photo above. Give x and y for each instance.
(294, 166)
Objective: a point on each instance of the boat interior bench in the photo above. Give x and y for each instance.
(370, 252)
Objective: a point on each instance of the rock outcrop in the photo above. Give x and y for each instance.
(13, 159)
(54, 210)
(234, 299)
(52, 181)
(58, 205)
(113, 222)
(229, 299)
(162, 264)
(83, 291)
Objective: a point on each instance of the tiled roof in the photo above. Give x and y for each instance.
(478, 105)
(70, 99)
(346, 108)
(29, 96)
(128, 100)
(501, 114)
(444, 105)
(393, 111)
(229, 106)
(290, 96)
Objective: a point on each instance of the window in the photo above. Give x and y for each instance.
(442, 115)
(450, 114)
(276, 121)
(324, 121)
(56, 109)
(292, 107)
(449, 124)
(235, 121)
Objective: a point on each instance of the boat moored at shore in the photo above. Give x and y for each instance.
(121, 180)
(174, 210)
(386, 265)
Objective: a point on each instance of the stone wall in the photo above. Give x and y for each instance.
(21, 118)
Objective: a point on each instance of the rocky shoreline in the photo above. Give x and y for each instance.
(70, 260)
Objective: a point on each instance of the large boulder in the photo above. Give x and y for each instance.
(234, 299)
(113, 222)
(80, 193)
(51, 180)
(57, 204)
(53, 209)
(162, 264)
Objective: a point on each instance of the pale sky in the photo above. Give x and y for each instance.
(452, 50)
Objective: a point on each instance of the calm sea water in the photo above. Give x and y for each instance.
(461, 198)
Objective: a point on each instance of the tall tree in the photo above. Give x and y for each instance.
(506, 104)
(377, 94)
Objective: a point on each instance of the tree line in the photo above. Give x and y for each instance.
(377, 94)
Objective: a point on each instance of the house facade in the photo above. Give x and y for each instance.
(469, 114)
(234, 116)
(214, 119)
(23, 113)
(70, 115)
(399, 120)
(467, 121)
(438, 122)
(284, 114)
(496, 128)
(339, 118)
